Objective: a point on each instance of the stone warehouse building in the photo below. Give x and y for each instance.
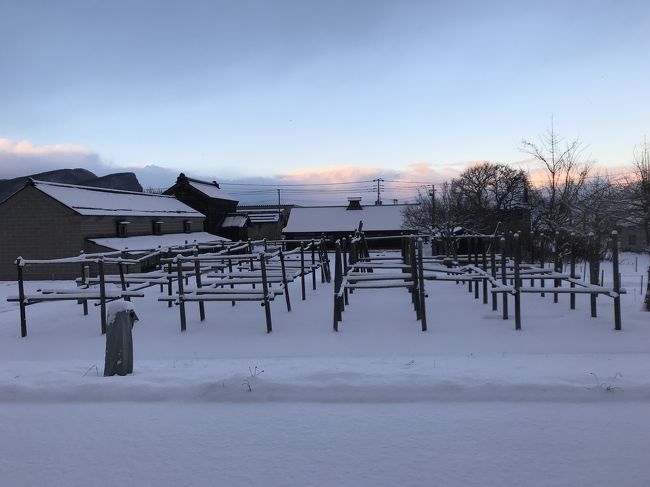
(52, 220)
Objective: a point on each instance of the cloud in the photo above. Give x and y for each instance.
(22, 158)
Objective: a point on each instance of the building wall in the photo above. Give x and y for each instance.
(632, 239)
(269, 231)
(106, 226)
(34, 226)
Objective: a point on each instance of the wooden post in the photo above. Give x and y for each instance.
(232, 286)
(86, 274)
(120, 267)
(102, 294)
(475, 246)
(322, 262)
(493, 269)
(485, 281)
(517, 249)
(21, 298)
(312, 247)
(593, 273)
(284, 281)
(542, 260)
(557, 266)
(344, 247)
(302, 270)
(170, 290)
(337, 284)
(532, 254)
(415, 297)
(326, 260)
(197, 276)
(423, 310)
(469, 261)
(617, 282)
(265, 289)
(504, 277)
(573, 269)
(181, 298)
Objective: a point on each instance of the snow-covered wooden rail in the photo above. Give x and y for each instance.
(100, 294)
(264, 269)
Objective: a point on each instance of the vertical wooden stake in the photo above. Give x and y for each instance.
(423, 309)
(344, 248)
(617, 282)
(337, 284)
(86, 275)
(102, 294)
(181, 297)
(504, 277)
(302, 270)
(542, 260)
(485, 281)
(493, 269)
(573, 269)
(284, 281)
(267, 300)
(21, 298)
(197, 276)
(517, 245)
(312, 247)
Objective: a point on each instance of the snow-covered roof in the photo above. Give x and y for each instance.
(262, 216)
(151, 242)
(210, 189)
(237, 221)
(87, 200)
(324, 219)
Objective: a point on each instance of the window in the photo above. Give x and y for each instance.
(121, 229)
(157, 228)
(631, 239)
(187, 226)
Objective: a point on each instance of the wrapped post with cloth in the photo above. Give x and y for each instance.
(119, 339)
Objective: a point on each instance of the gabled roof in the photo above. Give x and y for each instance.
(326, 219)
(152, 242)
(209, 188)
(235, 221)
(262, 216)
(87, 200)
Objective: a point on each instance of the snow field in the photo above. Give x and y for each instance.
(565, 401)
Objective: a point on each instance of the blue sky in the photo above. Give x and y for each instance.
(236, 89)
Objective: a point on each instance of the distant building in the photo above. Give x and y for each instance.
(306, 223)
(205, 197)
(235, 226)
(266, 221)
(632, 238)
(52, 220)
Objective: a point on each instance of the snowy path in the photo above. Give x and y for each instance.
(424, 444)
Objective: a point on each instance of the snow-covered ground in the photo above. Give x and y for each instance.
(565, 401)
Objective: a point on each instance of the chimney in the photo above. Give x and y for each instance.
(354, 203)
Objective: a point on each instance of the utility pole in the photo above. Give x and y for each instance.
(279, 208)
(378, 181)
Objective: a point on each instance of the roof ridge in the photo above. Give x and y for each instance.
(37, 182)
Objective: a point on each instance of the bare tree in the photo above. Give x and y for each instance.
(489, 192)
(565, 174)
(638, 189)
